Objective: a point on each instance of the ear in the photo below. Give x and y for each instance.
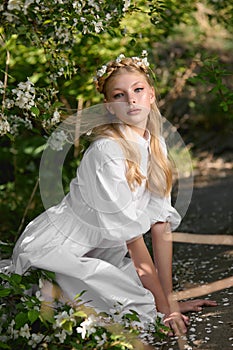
(152, 95)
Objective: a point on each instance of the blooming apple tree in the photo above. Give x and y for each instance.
(49, 30)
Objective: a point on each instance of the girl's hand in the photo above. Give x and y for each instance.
(177, 322)
(195, 305)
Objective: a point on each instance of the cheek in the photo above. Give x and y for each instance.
(146, 99)
(118, 108)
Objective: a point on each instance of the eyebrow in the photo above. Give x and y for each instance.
(137, 82)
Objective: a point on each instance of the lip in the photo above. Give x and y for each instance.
(134, 111)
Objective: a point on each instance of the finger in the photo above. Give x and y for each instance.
(179, 327)
(196, 304)
(186, 320)
(174, 329)
(210, 302)
(199, 303)
(176, 324)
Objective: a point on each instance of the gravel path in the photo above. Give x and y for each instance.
(210, 212)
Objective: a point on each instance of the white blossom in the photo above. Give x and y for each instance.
(14, 5)
(14, 333)
(1, 87)
(15, 122)
(25, 95)
(26, 5)
(101, 341)
(120, 58)
(101, 71)
(85, 30)
(145, 62)
(8, 103)
(4, 125)
(10, 17)
(35, 339)
(126, 5)
(25, 331)
(87, 326)
(41, 284)
(76, 5)
(57, 140)
(56, 117)
(27, 86)
(10, 328)
(61, 317)
(108, 17)
(39, 296)
(61, 336)
(98, 26)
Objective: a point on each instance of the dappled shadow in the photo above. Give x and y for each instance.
(203, 258)
(211, 207)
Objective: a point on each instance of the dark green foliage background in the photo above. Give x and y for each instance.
(176, 36)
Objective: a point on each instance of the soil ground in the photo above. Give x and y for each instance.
(210, 212)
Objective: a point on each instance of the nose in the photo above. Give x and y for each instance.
(131, 99)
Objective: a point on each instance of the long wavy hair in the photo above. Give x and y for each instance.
(159, 174)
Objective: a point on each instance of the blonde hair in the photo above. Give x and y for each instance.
(159, 175)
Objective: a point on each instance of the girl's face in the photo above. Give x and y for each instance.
(129, 97)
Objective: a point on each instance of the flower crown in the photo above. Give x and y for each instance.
(140, 61)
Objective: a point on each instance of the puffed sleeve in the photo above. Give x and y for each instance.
(161, 210)
(110, 207)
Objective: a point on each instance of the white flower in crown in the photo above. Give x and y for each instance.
(145, 62)
(139, 61)
(144, 58)
(120, 58)
(101, 71)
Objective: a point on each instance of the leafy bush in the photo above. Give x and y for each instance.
(28, 321)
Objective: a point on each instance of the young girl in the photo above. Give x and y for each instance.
(121, 191)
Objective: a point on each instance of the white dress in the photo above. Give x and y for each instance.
(83, 239)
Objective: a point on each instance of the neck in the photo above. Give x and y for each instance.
(132, 131)
(140, 131)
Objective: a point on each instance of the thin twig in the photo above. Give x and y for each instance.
(77, 127)
(28, 206)
(178, 87)
(5, 79)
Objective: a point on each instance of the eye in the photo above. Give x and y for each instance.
(138, 89)
(118, 95)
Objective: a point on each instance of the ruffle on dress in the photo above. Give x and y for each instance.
(160, 210)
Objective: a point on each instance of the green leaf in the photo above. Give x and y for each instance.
(48, 21)
(58, 104)
(16, 278)
(111, 32)
(4, 346)
(68, 326)
(5, 292)
(4, 277)
(33, 315)
(132, 316)
(21, 319)
(80, 314)
(77, 296)
(35, 111)
(49, 275)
